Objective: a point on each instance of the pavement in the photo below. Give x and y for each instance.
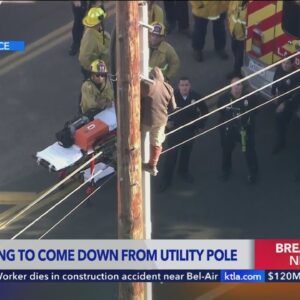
(39, 93)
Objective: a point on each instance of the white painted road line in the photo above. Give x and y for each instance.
(39, 47)
(34, 54)
(52, 35)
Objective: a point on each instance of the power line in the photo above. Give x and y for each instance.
(55, 205)
(232, 84)
(44, 195)
(77, 206)
(235, 101)
(221, 124)
(3, 225)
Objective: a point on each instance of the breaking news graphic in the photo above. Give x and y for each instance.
(149, 261)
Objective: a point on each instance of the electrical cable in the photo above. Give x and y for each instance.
(232, 84)
(232, 102)
(221, 124)
(76, 207)
(44, 195)
(56, 204)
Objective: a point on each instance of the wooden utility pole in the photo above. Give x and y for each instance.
(130, 204)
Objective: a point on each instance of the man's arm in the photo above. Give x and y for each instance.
(87, 98)
(173, 63)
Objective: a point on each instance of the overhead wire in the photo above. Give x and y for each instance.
(236, 117)
(76, 207)
(232, 102)
(56, 204)
(44, 195)
(232, 84)
(175, 112)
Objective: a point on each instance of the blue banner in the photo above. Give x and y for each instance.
(109, 276)
(242, 276)
(12, 45)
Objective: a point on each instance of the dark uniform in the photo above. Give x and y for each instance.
(240, 130)
(78, 28)
(184, 151)
(177, 11)
(291, 102)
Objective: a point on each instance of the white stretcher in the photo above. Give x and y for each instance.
(59, 159)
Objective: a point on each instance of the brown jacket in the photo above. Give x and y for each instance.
(157, 100)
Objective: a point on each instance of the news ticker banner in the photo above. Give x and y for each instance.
(126, 254)
(149, 260)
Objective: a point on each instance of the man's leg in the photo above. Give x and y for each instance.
(282, 121)
(237, 48)
(227, 144)
(251, 157)
(168, 170)
(184, 161)
(78, 28)
(170, 11)
(198, 38)
(157, 137)
(182, 15)
(238, 57)
(220, 36)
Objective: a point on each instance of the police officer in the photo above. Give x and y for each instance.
(237, 12)
(96, 92)
(162, 54)
(203, 12)
(286, 105)
(240, 130)
(157, 100)
(95, 42)
(79, 9)
(184, 96)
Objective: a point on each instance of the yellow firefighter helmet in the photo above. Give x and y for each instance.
(98, 66)
(94, 17)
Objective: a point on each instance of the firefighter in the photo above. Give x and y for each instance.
(162, 54)
(237, 13)
(240, 130)
(79, 9)
(155, 13)
(286, 105)
(157, 99)
(96, 92)
(203, 12)
(95, 42)
(184, 96)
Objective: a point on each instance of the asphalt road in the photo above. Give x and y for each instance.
(39, 93)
